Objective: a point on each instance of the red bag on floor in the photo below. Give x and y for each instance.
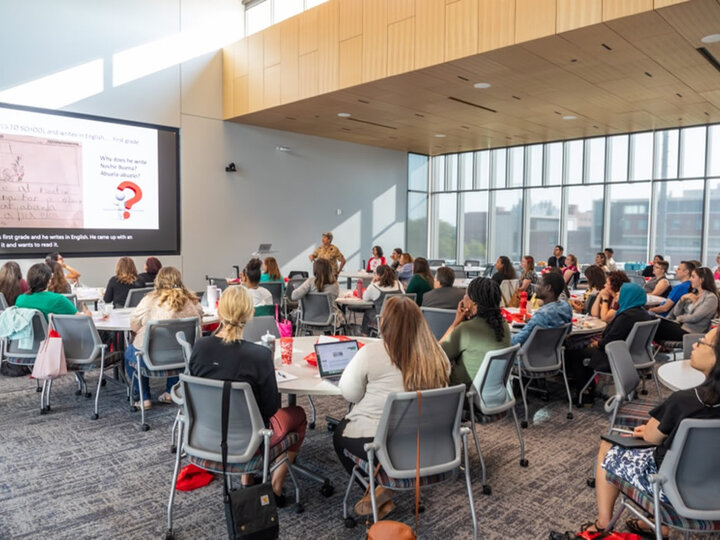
(192, 477)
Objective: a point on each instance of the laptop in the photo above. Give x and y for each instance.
(333, 357)
(264, 248)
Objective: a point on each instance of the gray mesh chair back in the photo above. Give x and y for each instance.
(80, 338)
(275, 288)
(625, 375)
(639, 343)
(380, 302)
(135, 295)
(3, 301)
(72, 297)
(543, 349)
(493, 391)
(161, 350)
(688, 341)
(436, 262)
(288, 302)
(439, 320)
(11, 347)
(439, 432)
(459, 270)
(298, 274)
(256, 327)
(186, 348)
(634, 278)
(316, 311)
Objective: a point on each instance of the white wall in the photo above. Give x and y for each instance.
(287, 198)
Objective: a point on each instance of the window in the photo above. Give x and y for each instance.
(574, 162)
(543, 221)
(678, 234)
(535, 165)
(284, 9)
(617, 157)
(666, 154)
(712, 234)
(445, 225)
(438, 173)
(499, 167)
(641, 156)
(482, 169)
(258, 17)
(584, 222)
(506, 218)
(465, 169)
(628, 221)
(553, 164)
(595, 160)
(516, 162)
(474, 216)
(692, 152)
(417, 213)
(417, 172)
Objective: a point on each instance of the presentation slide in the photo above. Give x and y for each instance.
(83, 185)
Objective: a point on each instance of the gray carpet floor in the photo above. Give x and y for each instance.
(63, 475)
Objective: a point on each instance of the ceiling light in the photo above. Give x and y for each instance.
(569, 117)
(344, 114)
(711, 38)
(481, 85)
(440, 135)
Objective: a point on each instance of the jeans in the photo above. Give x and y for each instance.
(130, 362)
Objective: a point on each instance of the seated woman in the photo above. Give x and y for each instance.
(659, 284)
(477, 329)
(571, 272)
(405, 270)
(58, 283)
(407, 359)
(38, 297)
(596, 281)
(694, 311)
(631, 301)
(601, 261)
(528, 277)
(12, 283)
(169, 300)
(152, 267)
(422, 280)
(505, 270)
(323, 281)
(72, 274)
(376, 260)
(716, 273)
(395, 258)
(125, 278)
(270, 270)
(227, 356)
(606, 304)
(384, 281)
(251, 279)
(636, 465)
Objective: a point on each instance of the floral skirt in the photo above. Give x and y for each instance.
(634, 465)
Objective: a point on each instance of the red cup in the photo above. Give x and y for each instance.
(286, 349)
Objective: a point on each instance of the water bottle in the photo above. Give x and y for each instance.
(523, 305)
(360, 288)
(268, 340)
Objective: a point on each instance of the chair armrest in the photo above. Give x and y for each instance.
(176, 394)
(610, 403)
(464, 431)
(370, 446)
(266, 433)
(657, 479)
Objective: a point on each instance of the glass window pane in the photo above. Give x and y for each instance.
(451, 172)
(284, 9)
(465, 169)
(713, 227)
(679, 210)
(445, 225)
(475, 225)
(666, 153)
(534, 165)
(641, 152)
(516, 162)
(584, 222)
(617, 148)
(507, 224)
(553, 163)
(417, 240)
(257, 17)
(693, 152)
(544, 221)
(595, 160)
(629, 205)
(499, 167)
(312, 3)
(482, 169)
(438, 173)
(714, 151)
(574, 162)
(417, 172)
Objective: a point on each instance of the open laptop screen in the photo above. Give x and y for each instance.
(334, 356)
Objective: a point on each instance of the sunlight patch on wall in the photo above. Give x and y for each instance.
(347, 236)
(384, 211)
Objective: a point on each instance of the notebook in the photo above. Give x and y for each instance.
(333, 357)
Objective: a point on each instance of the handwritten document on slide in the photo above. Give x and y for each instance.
(40, 183)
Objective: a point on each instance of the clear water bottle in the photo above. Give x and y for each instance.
(268, 340)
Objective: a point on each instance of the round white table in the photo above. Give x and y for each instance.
(680, 375)
(119, 320)
(582, 325)
(358, 274)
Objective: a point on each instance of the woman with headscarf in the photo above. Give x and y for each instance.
(631, 310)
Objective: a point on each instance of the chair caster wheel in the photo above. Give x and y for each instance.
(88, 395)
(326, 490)
(43, 411)
(94, 416)
(48, 408)
(524, 463)
(421, 508)
(350, 522)
(103, 382)
(545, 398)
(173, 449)
(169, 535)
(590, 483)
(78, 392)
(299, 508)
(133, 408)
(38, 389)
(523, 424)
(644, 392)
(487, 490)
(311, 425)
(569, 416)
(331, 428)
(145, 427)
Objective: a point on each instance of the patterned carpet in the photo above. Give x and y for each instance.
(63, 475)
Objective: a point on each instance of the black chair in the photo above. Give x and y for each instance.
(136, 295)
(275, 288)
(298, 274)
(438, 319)
(220, 282)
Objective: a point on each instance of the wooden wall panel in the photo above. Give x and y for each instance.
(308, 75)
(461, 29)
(289, 61)
(496, 24)
(401, 39)
(534, 19)
(256, 72)
(397, 10)
(308, 36)
(350, 63)
(429, 33)
(271, 86)
(228, 80)
(374, 64)
(328, 46)
(664, 3)
(351, 18)
(241, 100)
(271, 45)
(572, 14)
(614, 9)
(240, 57)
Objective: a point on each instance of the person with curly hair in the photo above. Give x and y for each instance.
(606, 304)
(58, 283)
(478, 328)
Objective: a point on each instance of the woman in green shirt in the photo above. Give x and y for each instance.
(478, 328)
(38, 297)
(422, 280)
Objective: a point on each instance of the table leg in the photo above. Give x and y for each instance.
(292, 400)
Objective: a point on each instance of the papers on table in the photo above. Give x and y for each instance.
(284, 376)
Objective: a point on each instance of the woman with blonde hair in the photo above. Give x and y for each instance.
(170, 300)
(58, 283)
(125, 278)
(271, 270)
(227, 356)
(408, 358)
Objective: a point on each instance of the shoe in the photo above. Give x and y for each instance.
(385, 509)
(382, 495)
(280, 500)
(147, 405)
(634, 526)
(590, 526)
(165, 398)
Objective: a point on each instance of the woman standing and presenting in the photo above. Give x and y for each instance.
(407, 359)
(422, 280)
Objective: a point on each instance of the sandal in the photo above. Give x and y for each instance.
(382, 496)
(638, 527)
(147, 405)
(165, 398)
(385, 509)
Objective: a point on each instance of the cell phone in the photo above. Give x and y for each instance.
(627, 442)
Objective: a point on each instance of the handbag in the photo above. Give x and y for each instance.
(250, 513)
(50, 360)
(283, 325)
(396, 530)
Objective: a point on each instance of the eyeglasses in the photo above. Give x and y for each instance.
(703, 342)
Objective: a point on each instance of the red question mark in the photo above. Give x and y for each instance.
(138, 195)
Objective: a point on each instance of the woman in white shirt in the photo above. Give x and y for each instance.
(384, 281)
(408, 359)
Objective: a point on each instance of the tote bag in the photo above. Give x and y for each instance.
(50, 360)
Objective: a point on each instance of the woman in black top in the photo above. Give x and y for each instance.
(125, 278)
(228, 357)
(505, 270)
(152, 267)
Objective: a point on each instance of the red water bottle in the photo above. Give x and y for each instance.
(360, 288)
(523, 305)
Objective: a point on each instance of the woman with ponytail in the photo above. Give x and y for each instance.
(227, 356)
(169, 300)
(478, 328)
